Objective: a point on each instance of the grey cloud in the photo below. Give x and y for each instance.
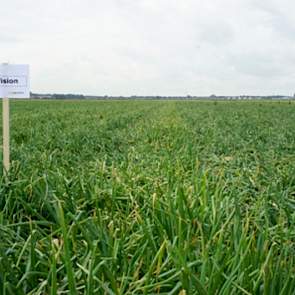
(168, 47)
(217, 33)
(259, 66)
(8, 39)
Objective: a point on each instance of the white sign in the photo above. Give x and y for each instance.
(14, 81)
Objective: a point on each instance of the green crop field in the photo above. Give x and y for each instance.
(149, 197)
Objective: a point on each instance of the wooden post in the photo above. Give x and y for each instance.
(5, 109)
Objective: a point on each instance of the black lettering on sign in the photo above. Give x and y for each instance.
(8, 81)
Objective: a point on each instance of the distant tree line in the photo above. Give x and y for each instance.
(57, 96)
(139, 97)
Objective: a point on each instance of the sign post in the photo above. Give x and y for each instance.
(5, 111)
(14, 83)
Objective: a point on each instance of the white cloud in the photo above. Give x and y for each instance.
(165, 47)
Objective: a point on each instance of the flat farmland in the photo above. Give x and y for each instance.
(149, 197)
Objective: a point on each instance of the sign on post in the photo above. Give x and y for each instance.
(14, 83)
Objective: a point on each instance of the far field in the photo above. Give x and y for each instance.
(149, 197)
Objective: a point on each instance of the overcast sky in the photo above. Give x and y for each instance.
(152, 47)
